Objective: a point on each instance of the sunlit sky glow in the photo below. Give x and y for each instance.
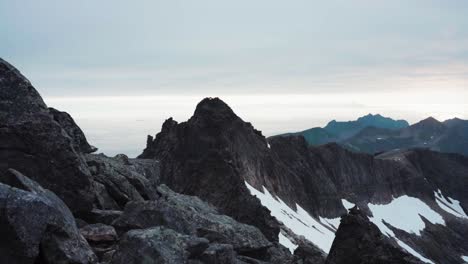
(283, 65)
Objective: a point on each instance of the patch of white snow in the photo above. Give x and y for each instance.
(404, 213)
(465, 258)
(346, 204)
(300, 222)
(450, 205)
(283, 240)
(333, 223)
(412, 251)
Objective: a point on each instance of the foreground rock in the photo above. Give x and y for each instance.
(158, 245)
(360, 241)
(36, 226)
(33, 141)
(190, 216)
(119, 180)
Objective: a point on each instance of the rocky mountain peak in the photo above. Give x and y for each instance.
(429, 123)
(213, 109)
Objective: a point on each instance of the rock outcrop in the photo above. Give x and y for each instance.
(119, 180)
(190, 216)
(208, 156)
(360, 241)
(36, 226)
(34, 143)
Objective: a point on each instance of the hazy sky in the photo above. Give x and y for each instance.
(307, 61)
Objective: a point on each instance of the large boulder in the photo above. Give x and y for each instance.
(34, 141)
(157, 245)
(36, 226)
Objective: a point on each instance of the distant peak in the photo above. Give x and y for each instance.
(430, 120)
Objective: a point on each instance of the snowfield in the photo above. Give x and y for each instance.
(403, 213)
(450, 205)
(300, 222)
(283, 240)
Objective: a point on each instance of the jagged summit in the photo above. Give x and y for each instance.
(214, 109)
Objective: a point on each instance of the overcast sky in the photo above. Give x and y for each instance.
(410, 56)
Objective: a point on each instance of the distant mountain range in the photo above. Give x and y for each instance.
(375, 133)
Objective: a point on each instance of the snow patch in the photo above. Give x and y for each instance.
(268, 145)
(347, 205)
(283, 240)
(333, 223)
(412, 251)
(465, 258)
(404, 213)
(300, 222)
(450, 205)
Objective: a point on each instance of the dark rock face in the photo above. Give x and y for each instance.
(208, 156)
(360, 241)
(37, 227)
(33, 142)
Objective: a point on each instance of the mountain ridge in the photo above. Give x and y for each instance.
(213, 189)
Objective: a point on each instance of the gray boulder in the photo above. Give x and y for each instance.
(153, 245)
(36, 226)
(32, 141)
(73, 130)
(99, 233)
(190, 215)
(120, 180)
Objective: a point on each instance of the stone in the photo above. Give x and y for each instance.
(37, 227)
